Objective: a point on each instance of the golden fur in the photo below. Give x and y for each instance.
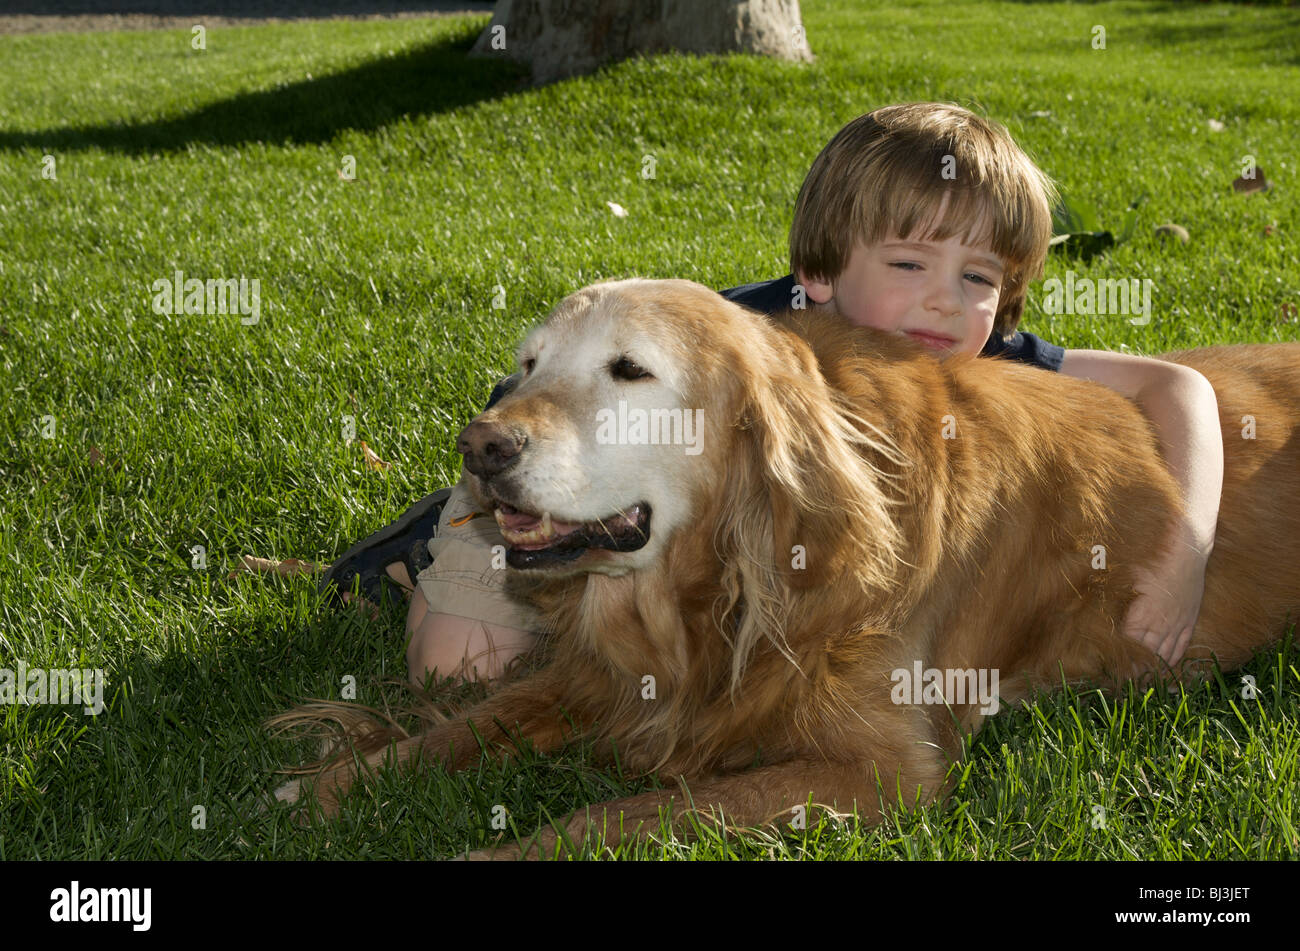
(772, 674)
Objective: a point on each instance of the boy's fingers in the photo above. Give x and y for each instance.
(1148, 637)
(370, 610)
(1158, 642)
(1174, 646)
(1154, 634)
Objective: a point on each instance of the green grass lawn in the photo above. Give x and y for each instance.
(377, 303)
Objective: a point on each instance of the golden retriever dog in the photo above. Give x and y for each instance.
(826, 555)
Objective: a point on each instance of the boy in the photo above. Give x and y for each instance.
(920, 219)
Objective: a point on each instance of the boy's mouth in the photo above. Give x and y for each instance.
(933, 341)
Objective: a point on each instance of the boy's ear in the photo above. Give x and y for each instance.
(820, 291)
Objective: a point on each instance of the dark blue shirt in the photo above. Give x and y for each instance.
(768, 297)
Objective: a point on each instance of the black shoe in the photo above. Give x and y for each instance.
(361, 569)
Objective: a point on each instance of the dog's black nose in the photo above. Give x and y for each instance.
(489, 448)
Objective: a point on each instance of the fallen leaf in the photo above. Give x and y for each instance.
(95, 457)
(371, 459)
(618, 209)
(1170, 230)
(1145, 782)
(1286, 312)
(1270, 229)
(289, 568)
(1257, 183)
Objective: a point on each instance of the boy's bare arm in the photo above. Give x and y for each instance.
(1185, 413)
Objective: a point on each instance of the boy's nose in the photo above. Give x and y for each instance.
(944, 297)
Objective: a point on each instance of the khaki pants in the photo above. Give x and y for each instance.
(462, 580)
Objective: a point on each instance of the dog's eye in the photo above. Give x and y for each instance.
(625, 369)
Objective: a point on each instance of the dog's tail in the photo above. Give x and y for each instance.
(339, 729)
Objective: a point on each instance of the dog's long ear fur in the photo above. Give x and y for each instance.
(807, 506)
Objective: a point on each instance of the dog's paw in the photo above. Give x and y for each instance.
(313, 799)
(290, 792)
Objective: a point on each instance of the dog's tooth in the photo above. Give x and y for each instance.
(547, 531)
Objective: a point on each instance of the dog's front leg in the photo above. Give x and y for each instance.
(774, 795)
(529, 710)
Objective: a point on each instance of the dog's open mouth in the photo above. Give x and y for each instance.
(538, 540)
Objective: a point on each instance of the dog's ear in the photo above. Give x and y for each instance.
(807, 503)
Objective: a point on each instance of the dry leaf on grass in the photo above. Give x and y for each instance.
(371, 459)
(1256, 183)
(96, 457)
(289, 568)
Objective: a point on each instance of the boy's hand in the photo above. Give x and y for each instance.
(1164, 614)
(1182, 406)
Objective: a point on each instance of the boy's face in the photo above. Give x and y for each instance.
(942, 294)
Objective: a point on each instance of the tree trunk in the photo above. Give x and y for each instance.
(560, 38)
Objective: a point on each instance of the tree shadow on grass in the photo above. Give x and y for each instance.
(259, 9)
(1185, 23)
(429, 79)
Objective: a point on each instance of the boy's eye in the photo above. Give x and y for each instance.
(913, 266)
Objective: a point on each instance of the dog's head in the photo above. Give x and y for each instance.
(588, 464)
(645, 407)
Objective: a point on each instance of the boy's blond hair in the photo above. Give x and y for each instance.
(887, 173)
